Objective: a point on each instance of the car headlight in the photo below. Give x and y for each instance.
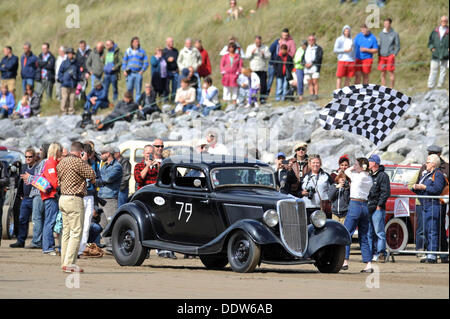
(318, 218)
(270, 217)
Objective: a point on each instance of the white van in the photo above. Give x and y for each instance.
(134, 152)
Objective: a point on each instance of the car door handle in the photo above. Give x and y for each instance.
(206, 201)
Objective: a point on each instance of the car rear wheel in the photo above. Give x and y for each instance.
(243, 253)
(127, 249)
(214, 261)
(396, 234)
(329, 259)
(7, 223)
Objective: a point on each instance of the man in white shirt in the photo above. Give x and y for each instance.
(61, 57)
(259, 56)
(213, 146)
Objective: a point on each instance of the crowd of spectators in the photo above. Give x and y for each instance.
(291, 67)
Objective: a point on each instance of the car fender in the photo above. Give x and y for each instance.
(142, 216)
(333, 233)
(260, 233)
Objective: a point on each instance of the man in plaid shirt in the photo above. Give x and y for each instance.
(146, 172)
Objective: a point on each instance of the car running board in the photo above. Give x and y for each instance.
(182, 249)
(289, 262)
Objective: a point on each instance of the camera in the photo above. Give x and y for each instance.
(285, 162)
(346, 184)
(311, 191)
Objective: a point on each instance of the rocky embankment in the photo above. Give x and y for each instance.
(269, 129)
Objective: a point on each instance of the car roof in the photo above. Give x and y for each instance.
(404, 166)
(142, 143)
(210, 161)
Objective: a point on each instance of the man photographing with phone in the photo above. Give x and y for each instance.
(146, 172)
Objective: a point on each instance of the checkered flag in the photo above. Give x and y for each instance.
(369, 110)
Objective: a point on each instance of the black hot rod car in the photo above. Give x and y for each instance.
(225, 210)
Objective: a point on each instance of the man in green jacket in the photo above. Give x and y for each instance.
(438, 44)
(95, 63)
(299, 68)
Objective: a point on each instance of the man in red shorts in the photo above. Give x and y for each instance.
(389, 43)
(343, 47)
(365, 47)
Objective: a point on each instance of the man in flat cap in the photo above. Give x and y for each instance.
(68, 76)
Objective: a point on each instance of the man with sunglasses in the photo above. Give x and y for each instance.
(26, 207)
(299, 166)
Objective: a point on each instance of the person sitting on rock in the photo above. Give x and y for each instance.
(22, 110)
(97, 98)
(185, 98)
(6, 102)
(210, 97)
(147, 102)
(123, 110)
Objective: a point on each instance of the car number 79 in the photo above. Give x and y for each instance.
(187, 208)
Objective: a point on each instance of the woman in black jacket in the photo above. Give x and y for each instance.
(339, 195)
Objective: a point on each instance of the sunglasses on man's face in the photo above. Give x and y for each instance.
(29, 156)
(158, 146)
(300, 149)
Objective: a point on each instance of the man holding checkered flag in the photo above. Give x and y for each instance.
(369, 110)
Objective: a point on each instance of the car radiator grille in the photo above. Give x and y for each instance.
(293, 225)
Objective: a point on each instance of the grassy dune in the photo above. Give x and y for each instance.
(153, 21)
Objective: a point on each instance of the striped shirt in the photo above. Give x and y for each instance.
(72, 175)
(135, 60)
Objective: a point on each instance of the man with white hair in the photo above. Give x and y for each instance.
(213, 146)
(438, 44)
(189, 56)
(61, 57)
(431, 183)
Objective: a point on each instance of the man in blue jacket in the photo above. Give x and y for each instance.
(8, 67)
(68, 75)
(28, 65)
(45, 75)
(97, 98)
(111, 178)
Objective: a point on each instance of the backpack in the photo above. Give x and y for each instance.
(445, 190)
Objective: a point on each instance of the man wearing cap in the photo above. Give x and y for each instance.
(378, 196)
(299, 166)
(97, 98)
(444, 168)
(68, 76)
(126, 170)
(111, 178)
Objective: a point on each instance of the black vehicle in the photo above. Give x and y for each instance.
(12, 160)
(225, 210)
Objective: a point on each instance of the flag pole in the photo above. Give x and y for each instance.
(372, 152)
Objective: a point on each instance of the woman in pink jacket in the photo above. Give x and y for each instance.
(230, 67)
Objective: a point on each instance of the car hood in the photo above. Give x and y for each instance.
(258, 196)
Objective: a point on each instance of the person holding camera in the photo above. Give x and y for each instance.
(315, 186)
(339, 195)
(111, 178)
(284, 177)
(68, 76)
(358, 211)
(299, 166)
(146, 171)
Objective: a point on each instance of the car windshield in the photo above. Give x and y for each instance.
(404, 175)
(242, 176)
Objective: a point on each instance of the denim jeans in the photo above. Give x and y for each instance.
(300, 76)
(420, 238)
(208, 109)
(270, 77)
(358, 216)
(190, 107)
(24, 84)
(95, 231)
(26, 209)
(122, 198)
(3, 113)
(38, 221)
(88, 107)
(173, 83)
(111, 79)
(51, 210)
(431, 212)
(134, 81)
(282, 87)
(199, 88)
(377, 234)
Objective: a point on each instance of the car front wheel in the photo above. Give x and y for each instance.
(127, 249)
(243, 253)
(329, 259)
(396, 234)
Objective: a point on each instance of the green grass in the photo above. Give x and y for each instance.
(153, 21)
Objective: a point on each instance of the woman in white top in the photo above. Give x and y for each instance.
(358, 213)
(315, 185)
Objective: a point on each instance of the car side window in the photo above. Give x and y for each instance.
(138, 155)
(404, 175)
(190, 177)
(165, 178)
(126, 154)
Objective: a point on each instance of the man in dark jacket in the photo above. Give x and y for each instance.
(45, 73)
(68, 75)
(283, 72)
(147, 102)
(82, 55)
(8, 67)
(122, 111)
(438, 44)
(113, 63)
(95, 63)
(378, 196)
(28, 65)
(97, 98)
(126, 174)
(170, 54)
